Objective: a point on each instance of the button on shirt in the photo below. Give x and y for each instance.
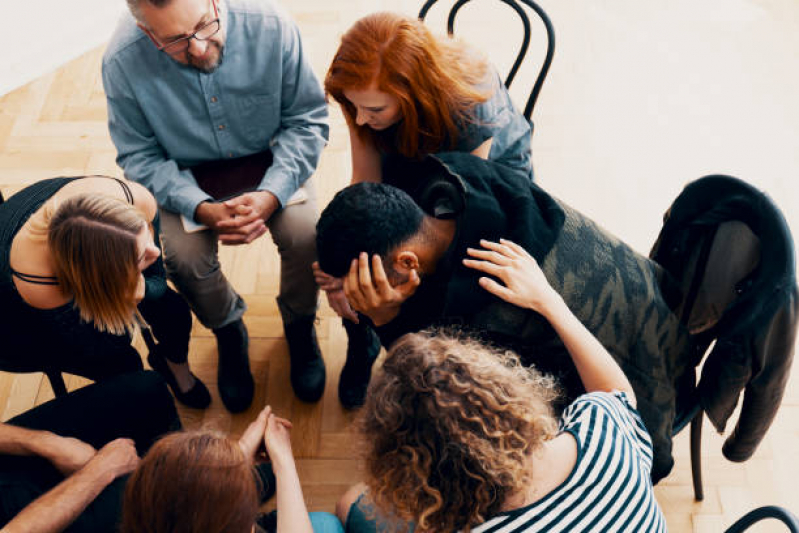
(164, 116)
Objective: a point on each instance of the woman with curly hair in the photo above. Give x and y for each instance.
(460, 437)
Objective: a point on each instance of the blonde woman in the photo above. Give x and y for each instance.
(460, 437)
(79, 272)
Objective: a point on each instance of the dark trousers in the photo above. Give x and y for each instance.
(136, 406)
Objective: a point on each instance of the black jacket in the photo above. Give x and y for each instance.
(612, 290)
(730, 251)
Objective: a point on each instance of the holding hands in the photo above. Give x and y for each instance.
(524, 283)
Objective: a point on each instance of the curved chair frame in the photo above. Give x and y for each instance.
(542, 74)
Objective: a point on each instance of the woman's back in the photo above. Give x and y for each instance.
(609, 488)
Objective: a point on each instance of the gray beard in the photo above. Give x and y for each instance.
(204, 68)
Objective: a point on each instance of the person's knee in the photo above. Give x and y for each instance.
(325, 523)
(349, 498)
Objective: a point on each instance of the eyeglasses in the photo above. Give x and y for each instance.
(203, 34)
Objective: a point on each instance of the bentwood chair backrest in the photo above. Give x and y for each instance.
(522, 8)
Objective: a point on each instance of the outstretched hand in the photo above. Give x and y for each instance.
(371, 293)
(524, 282)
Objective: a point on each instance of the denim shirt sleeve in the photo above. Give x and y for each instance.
(303, 132)
(138, 152)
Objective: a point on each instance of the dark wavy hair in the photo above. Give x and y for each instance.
(448, 427)
(365, 217)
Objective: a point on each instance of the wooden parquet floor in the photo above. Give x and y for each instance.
(642, 97)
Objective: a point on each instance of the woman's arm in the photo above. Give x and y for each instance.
(526, 286)
(292, 515)
(365, 159)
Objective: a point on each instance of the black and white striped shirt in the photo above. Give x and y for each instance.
(609, 488)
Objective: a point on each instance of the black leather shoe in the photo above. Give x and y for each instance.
(266, 481)
(197, 397)
(363, 347)
(307, 366)
(236, 386)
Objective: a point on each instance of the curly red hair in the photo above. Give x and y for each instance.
(448, 428)
(434, 80)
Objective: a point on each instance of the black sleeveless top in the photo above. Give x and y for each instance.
(14, 213)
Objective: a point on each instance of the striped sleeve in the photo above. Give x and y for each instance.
(620, 412)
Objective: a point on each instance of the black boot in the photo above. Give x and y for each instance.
(307, 366)
(363, 347)
(236, 386)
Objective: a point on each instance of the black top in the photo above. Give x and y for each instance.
(50, 280)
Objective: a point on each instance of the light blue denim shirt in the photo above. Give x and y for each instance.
(498, 119)
(164, 116)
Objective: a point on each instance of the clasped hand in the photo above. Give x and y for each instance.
(239, 220)
(274, 433)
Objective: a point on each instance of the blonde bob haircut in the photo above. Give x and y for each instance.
(93, 244)
(448, 428)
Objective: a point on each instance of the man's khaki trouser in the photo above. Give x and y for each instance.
(192, 263)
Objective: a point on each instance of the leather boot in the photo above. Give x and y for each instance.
(363, 347)
(307, 366)
(236, 386)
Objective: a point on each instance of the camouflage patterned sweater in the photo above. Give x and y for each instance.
(613, 290)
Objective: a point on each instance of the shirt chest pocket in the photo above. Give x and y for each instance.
(259, 118)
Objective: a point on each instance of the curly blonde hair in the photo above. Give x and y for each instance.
(448, 428)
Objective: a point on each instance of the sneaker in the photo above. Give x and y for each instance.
(307, 366)
(236, 386)
(363, 347)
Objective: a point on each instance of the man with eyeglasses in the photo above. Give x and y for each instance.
(212, 105)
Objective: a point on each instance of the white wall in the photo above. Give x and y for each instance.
(37, 36)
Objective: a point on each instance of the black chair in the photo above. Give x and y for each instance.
(763, 513)
(522, 12)
(730, 256)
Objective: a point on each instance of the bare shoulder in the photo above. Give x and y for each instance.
(113, 187)
(143, 199)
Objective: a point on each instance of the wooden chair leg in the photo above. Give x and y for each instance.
(696, 455)
(57, 383)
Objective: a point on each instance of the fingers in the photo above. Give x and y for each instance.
(239, 220)
(352, 287)
(380, 279)
(496, 289)
(407, 289)
(259, 229)
(516, 248)
(496, 256)
(484, 266)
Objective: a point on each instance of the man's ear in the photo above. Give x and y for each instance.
(405, 261)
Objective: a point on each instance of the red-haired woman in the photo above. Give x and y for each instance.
(405, 91)
(409, 93)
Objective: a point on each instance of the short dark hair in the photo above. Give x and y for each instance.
(365, 217)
